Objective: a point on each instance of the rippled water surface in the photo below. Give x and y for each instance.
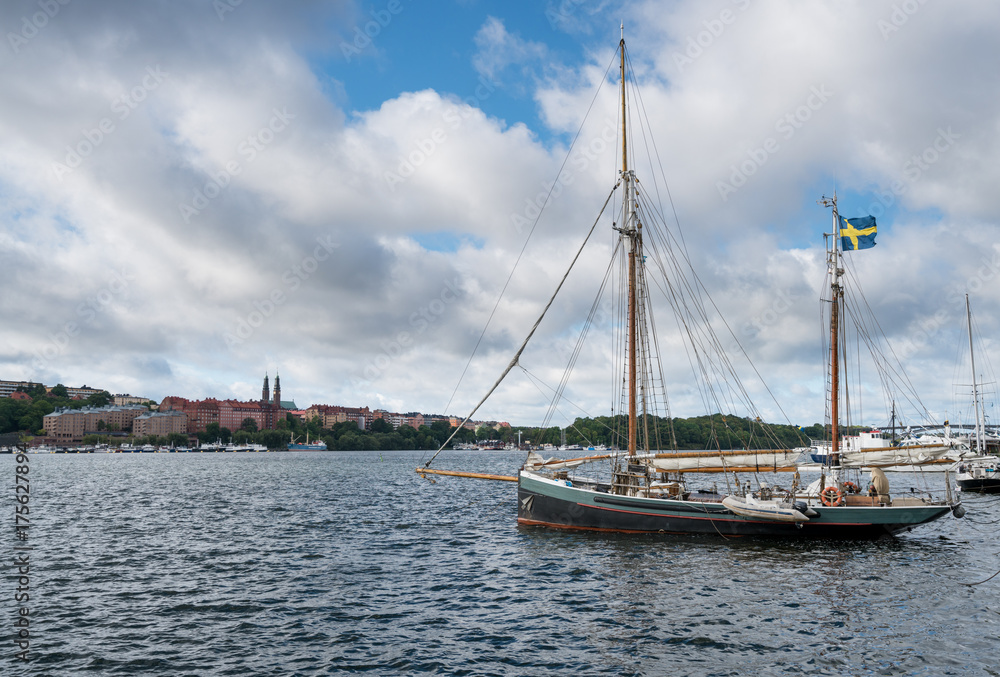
(327, 563)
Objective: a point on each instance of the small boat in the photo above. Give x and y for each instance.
(979, 473)
(768, 509)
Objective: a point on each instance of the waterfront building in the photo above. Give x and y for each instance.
(230, 414)
(330, 415)
(412, 419)
(122, 400)
(161, 423)
(199, 413)
(68, 426)
(81, 393)
(8, 388)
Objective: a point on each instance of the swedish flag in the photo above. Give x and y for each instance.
(857, 233)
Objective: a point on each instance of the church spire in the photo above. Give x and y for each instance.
(265, 393)
(277, 390)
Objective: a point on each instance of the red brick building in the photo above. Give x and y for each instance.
(230, 413)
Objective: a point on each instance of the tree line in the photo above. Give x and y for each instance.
(25, 416)
(700, 432)
(717, 431)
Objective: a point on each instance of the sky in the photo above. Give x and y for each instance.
(194, 194)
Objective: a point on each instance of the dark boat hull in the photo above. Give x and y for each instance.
(979, 475)
(984, 485)
(547, 503)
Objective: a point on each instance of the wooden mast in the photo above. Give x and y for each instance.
(836, 293)
(631, 233)
(975, 393)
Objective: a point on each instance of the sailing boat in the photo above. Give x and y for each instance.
(982, 472)
(871, 448)
(642, 489)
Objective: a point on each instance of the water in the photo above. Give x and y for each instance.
(328, 563)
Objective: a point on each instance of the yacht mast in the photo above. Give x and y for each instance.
(975, 393)
(833, 260)
(630, 230)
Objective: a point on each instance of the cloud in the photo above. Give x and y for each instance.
(498, 50)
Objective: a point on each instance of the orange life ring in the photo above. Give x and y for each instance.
(831, 496)
(851, 487)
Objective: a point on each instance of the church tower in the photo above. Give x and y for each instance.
(265, 393)
(277, 392)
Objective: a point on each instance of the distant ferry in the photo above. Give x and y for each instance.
(312, 446)
(307, 445)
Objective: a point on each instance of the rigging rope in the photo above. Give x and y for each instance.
(531, 333)
(530, 233)
(580, 341)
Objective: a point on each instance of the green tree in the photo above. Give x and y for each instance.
(30, 422)
(101, 425)
(101, 399)
(59, 390)
(249, 425)
(345, 427)
(212, 433)
(273, 439)
(293, 423)
(34, 390)
(42, 406)
(380, 425)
